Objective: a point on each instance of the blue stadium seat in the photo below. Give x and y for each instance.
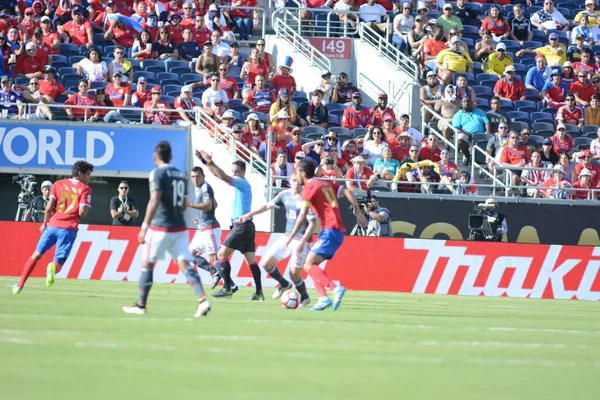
(532, 10)
(483, 102)
(532, 44)
(566, 12)
(359, 132)
(318, 130)
(549, 110)
(153, 65)
(235, 103)
(518, 116)
(172, 88)
(75, 59)
(341, 131)
(170, 64)
(59, 60)
(518, 125)
(542, 126)
(301, 95)
(533, 94)
(109, 50)
(507, 103)
(66, 71)
(525, 103)
(68, 49)
(486, 77)
(150, 76)
(539, 35)
(191, 77)
(477, 65)
(180, 71)
(162, 76)
(70, 79)
(578, 141)
(98, 85)
(469, 29)
(168, 99)
(135, 63)
(335, 106)
(541, 116)
(572, 129)
(483, 90)
(590, 131)
(480, 158)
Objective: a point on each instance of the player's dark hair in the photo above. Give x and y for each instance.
(163, 151)
(197, 169)
(307, 166)
(81, 166)
(240, 164)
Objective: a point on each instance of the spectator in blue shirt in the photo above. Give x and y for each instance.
(538, 75)
(469, 121)
(7, 95)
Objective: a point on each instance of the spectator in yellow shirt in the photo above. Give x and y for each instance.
(591, 12)
(555, 52)
(498, 61)
(452, 60)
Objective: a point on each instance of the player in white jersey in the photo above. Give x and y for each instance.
(291, 199)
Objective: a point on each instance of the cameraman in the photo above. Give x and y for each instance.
(497, 222)
(36, 209)
(380, 218)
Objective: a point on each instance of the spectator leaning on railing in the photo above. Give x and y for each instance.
(514, 154)
(82, 98)
(469, 121)
(584, 183)
(533, 179)
(7, 95)
(554, 187)
(359, 172)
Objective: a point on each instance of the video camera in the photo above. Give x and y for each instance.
(28, 185)
(480, 224)
(364, 202)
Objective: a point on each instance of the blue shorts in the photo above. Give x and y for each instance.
(64, 240)
(328, 243)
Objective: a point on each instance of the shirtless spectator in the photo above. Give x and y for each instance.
(430, 93)
(447, 107)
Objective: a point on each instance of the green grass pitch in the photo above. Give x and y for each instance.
(73, 342)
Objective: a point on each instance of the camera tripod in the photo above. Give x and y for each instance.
(359, 231)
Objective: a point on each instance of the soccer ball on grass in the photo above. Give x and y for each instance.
(290, 299)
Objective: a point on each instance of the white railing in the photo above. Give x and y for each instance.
(387, 49)
(482, 169)
(300, 44)
(395, 102)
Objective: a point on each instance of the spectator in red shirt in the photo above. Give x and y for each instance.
(175, 29)
(82, 98)
(583, 90)
(358, 172)
(260, 99)
(514, 154)
(562, 142)
(553, 188)
(49, 87)
(295, 145)
(28, 64)
(586, 163)
(29, 23)
(50, 37)
(584, 183)
(185, 105)
(356, 115)
(284, 79)
(430, 151)
(120, 33)
(350, 151)
(402, 151)
(570, 114)
(157, 117)
(100, 19)
(510, 87)
(554, 92)
(141, 94)
(381, 112)
(77, 31)
(43, 52)
(119, 92)
(449, 171)
(228, 84)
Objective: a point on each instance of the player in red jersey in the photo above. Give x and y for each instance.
(320, 196)
(70, 199)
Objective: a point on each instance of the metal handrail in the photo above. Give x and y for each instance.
(476, 149)
(437, 117)
(238, 150)
(387, 49)
(372, 90)
(264, 19)
(300, 44)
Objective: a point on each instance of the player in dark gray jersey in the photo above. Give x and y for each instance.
(207, 238)
(164, 229)
(291, 200)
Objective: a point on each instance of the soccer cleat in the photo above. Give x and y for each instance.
(257, 297)
(322, 304)
(203, 308)
(16, 289)
(234, 289)
(280, 290)
(134, 309)
(223, 294)
(304, 302)
(338, 294)
(216, 279)
(50, 274)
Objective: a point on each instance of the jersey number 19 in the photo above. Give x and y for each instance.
(178, 193)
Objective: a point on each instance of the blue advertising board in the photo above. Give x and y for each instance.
(116, 148)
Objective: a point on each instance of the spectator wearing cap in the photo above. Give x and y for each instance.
(331, 140)
(119, 33)
(227, 83)
(284, 80)
(575, 49)
(29, 22)
(561, 141)
(153, 108)
(520, 26)
(585, 162)
(37, 207)
(381, 111)
(510, 87)
(314, 113)
(78, 31)
(208, 63)
(496, 23)
(7, 95)
(430, 93)
(360, 177)
(555, 91)
(549, 18)
(119, 92)
(548, 154)
(453, 60)
(469, 121)
(342, 90)
(175, 28)
(404, 126)
(189, 49)
(295, 145)
(554, 187)
(539, 74)
(585, 64)
(514, 154)
(430, 151)
(533, 179)
(82, 98)
(31, 94)
(590, 12)
(142, 48)
(498, 61)
(402, 24)
(99, 19)
(164, 48)
(213, 93)
(260, 98)
(142, 94)
(356, 115)
(401, 152)
(43, 51)
(555, 52)
(325, 86)
(448, 20)
(495, 114)
(570, 113)
(314, 150)
(584, 182)
(228, 120)
(28, 64)
(282, 128)
(92, 67)
(281, 168)
(49, 87)
(583, 30)
(185, 105)
(283, 102)
(120, 64)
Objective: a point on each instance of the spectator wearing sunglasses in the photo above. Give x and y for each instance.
(570, 113)
(78, 31)
(430, 151)
(514, 154)
(549, 18)
(582, 89)
(123, 209)
(510, 87)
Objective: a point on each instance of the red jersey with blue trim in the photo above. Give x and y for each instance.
(322, 197)
(357, 119)
(70, 194)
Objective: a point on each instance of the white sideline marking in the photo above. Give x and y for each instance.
(120, 346)
(14, 340)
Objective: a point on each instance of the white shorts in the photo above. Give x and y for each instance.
(278, 252)
(158, 242)
(206, 240)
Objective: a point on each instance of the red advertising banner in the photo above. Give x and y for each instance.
(362, 263)
(333, 48)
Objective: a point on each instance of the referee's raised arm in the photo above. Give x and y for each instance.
(214, 168)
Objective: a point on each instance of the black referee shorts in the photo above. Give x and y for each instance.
(241, 237)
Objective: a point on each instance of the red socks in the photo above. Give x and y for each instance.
(320, 279)
(27, 270)
(58, 267)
